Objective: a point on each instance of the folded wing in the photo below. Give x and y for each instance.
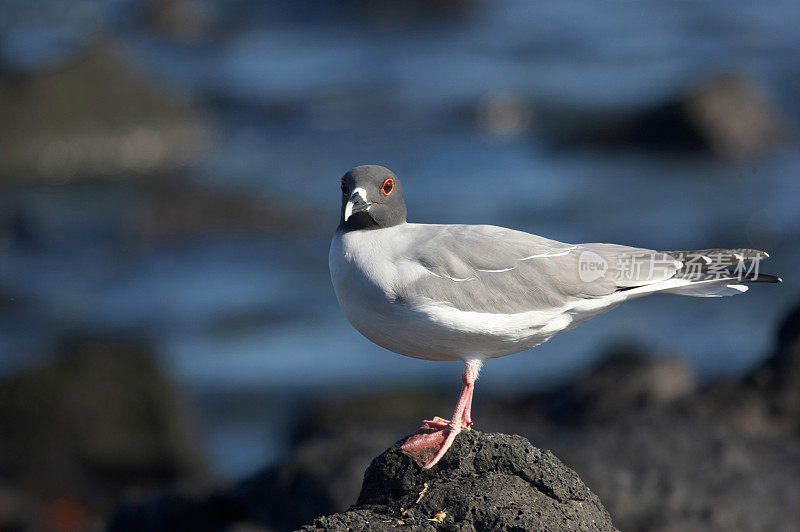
(496, 270)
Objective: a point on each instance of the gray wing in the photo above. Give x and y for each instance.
(492, 269)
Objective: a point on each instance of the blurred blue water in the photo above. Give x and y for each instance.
(361, 93)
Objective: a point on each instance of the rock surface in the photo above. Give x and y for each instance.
(779, 377)
(101, 419)
(94, 117)
(485, 482)
(659, 470)
(669, 455)
(728, 116)
(666, 455)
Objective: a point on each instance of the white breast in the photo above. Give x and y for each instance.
(363, 273)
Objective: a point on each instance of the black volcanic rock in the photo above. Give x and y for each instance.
(95, 116)
(778, 378)
(663, 469)
(484, 482)
(628, 381)
(99, 420)
(662, 453)
(728, 116)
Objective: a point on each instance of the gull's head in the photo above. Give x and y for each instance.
(372, 198)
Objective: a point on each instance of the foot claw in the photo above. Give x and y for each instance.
(437, 423)
(431, 441)
(452, 432)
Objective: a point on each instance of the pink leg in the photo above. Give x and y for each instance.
(466, 419)
(436, 436)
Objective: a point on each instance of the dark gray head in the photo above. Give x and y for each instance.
(372, 198)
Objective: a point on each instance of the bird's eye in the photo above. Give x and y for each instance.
(345, 188)
(387, 186)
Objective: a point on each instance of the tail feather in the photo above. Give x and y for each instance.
(718, 272)
(720, 256)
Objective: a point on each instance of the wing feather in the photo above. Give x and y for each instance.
(492, 269)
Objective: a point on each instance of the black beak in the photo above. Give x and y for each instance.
(355, 204)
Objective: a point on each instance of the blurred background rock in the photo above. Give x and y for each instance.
(169, 342)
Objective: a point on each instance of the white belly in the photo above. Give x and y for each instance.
(363, 276)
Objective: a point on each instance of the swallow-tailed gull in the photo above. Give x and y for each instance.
(475, 292)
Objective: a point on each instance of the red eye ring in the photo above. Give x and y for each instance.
(345, 188)
(387, 187)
